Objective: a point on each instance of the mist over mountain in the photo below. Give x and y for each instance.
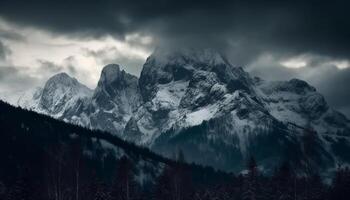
(197, 101)
(174, 100)
(45, 158)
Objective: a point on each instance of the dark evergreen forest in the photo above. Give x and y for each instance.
(46, 159)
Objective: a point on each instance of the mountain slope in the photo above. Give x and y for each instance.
(114, 100)
(38, 143)
(61, 97)
(28, 136)
(198, 101)
(184, 88)
(108, 107)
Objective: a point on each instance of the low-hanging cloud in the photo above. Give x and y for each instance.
(131, 63)
(258, 35)
(289, 26)
(13, 79)
(4, 51)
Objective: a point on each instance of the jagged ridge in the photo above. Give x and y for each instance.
(181, 89)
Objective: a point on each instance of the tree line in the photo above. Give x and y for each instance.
(66, 176)
(41, 160)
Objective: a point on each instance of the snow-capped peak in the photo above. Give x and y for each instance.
(30, 98)
(62, 79)
(110, 73)
(115, 98)
(61, 94)
(60, 89)
(185, 88)
(164, 56)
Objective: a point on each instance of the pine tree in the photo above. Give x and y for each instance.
(18, 191)
(125, 186)
(251, 183)
(76, 166)
(91, 188)
(102, 192)
(163, 190)
(309, 142)
(2, 190)
(175, 181)
(283, 183)
(341, 184)
(317, 188)
(180, 157)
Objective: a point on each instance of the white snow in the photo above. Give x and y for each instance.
(204, 96)
(169, 95)
(30, 98)
(197, 117)
(209, 56)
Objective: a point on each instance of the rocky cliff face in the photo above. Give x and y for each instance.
(108, 107)
(115, 99)
(61, 97)
(217, 113)
(184, 88)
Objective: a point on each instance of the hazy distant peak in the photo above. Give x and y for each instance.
(163, 56)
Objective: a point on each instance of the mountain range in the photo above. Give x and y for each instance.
(197, 101)
(43, 157)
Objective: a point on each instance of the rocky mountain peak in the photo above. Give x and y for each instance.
(165, 66)
(114, 100)
(61, 79)
(113, 76)
(64, 83)
(110, 73)
(197, 101)
(163, 56)
(60, 93)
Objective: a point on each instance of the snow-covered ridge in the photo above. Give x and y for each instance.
(181, 89)
(180, 84)
(59, 96)
(109, 73)
(297, 102)
(30, 99)
(114, 100)
(187, 55)
(107, 107)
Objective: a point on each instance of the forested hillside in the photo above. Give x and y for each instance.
(43, 158)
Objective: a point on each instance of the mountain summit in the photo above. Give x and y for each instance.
(114, 100)
(195, 100)
(60, 97)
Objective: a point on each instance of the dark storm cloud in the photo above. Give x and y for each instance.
(111, 54)
(331, 82)
(12, 78)
(11, 35)
(70, 65)
(288, 27)
(4, 51)
(243, 30)
(335, 86)
(20, 78)
(49, 66)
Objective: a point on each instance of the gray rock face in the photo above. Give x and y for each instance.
(60, 93)
(165, 66)
(217, 113)
(108, 107)
(61, 97)
(236, 115)
(115, 99)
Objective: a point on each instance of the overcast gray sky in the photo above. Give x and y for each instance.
(276, 40)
